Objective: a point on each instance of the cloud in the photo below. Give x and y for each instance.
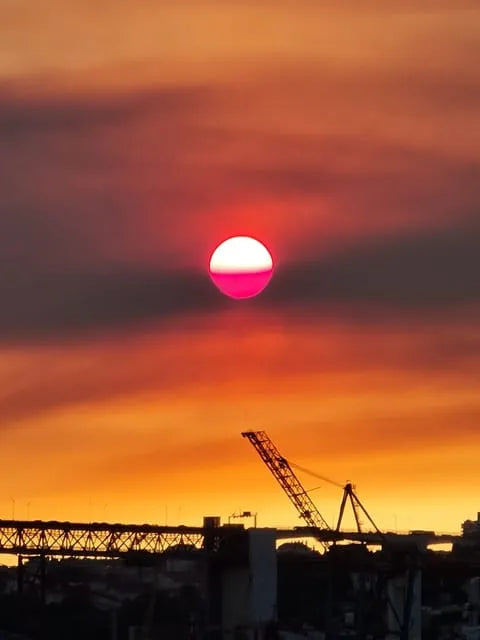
(111, 203)
(23, 116)
(135, 175)
(83, 179)
(56, 304)
(414, 271)
(438, 267)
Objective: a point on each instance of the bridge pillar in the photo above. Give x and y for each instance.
(43, 579)
(473, 592)
(20, 575)
(404, 615)
(247, 577)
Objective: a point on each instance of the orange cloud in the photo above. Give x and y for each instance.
(154, 418)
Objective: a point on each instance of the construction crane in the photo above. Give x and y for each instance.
(282, 470)
(285, 476)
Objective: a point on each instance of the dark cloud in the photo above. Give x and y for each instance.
(84, 177)
(429, 268)
(148, 181)
(161, 174)
(22, 116)
(416, 271)
(58, 304)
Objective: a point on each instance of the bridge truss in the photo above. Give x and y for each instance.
(92, 540)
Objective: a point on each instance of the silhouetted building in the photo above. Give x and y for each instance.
(471, 527)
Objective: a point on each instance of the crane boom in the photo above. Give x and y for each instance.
(286, 478)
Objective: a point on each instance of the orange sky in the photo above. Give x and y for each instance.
(136, 136)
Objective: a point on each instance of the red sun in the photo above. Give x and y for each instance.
(241, 267)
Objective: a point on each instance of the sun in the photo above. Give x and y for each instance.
(241, 267)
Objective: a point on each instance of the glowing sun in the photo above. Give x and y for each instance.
(241, 267)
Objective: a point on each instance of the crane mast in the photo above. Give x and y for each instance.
(284, 475)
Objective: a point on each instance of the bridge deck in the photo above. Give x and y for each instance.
(101, 539)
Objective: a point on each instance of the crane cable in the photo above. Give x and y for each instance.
(315, 475)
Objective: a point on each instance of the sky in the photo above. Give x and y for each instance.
(134, 138)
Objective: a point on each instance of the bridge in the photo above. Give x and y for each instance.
(105, 540)
(94, 540)
(373, 538)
